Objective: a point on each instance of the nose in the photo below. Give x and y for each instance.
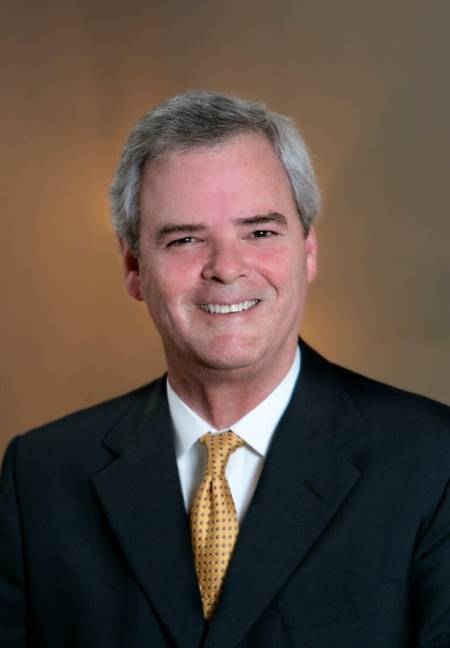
(225, 263)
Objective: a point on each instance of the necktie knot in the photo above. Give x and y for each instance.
(220, 446)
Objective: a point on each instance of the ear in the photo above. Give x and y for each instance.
(312, 252)
(131, 270)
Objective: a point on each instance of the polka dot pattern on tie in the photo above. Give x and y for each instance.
(214, 524)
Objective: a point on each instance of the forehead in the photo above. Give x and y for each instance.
(242, 172)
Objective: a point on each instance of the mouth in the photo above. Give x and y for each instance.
(224, 309)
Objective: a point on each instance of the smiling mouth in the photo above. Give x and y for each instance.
(224, 309)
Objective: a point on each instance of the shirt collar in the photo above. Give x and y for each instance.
(256, 427)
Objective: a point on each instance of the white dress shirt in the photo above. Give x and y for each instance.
(246, 463)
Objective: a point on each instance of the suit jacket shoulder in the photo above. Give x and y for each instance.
(372, 395)
(419, 425)
(77, 444)
(410, 431)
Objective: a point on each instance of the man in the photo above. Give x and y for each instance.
(258, 496)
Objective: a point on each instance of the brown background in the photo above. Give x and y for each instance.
(368, 82)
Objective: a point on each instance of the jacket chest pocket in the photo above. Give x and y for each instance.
(312, 604)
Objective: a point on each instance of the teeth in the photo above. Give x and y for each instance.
(232, 308)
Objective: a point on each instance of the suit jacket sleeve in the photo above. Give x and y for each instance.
(12, 600)
(431, 579)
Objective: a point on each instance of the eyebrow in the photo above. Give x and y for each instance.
(192, 228)
(261, 219)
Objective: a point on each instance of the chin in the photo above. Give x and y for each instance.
(229, 357)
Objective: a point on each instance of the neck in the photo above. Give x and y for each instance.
(223, 397)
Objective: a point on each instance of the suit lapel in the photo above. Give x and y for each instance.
(303, 484)
(141, 496)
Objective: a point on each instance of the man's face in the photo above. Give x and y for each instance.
(223, 263)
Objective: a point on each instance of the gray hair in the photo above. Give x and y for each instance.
(201, 118)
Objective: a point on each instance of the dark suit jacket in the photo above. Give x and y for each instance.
(346, 543)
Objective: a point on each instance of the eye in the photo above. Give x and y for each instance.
(263, 233)
(185, 240)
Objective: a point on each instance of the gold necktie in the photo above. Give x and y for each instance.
(214, 524)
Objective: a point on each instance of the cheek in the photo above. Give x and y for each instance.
(165, 288)
(282, 266)
(177, 268)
